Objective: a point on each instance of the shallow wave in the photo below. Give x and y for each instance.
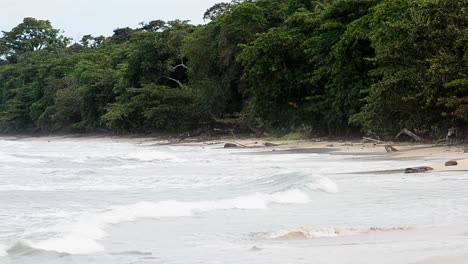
(15, 159)
(81, 236)
(21, 247)
(13, 144)
(152, 155)
(3, 251)
(294, 180)
(323, 232)
(25, 248)
(324, 185)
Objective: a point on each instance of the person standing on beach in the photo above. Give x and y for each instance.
(451, 136)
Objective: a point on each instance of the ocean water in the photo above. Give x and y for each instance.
(109, 202)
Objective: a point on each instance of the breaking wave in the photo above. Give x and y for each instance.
(81, 237)
(324, 185)
(6, 158)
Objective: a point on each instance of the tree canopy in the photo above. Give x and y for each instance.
(335, 67)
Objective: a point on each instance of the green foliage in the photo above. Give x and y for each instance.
(293, 136)
(29, 36)
(313, 70)
(422, 66)
(70, 88)
(153, 108)
(325, 67)
(274, 75)
(212, 51)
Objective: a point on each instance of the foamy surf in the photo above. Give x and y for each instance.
(44, 218)
(322, 232)
(324, 185)
(3, 249)
(5, 158)
(81, 236)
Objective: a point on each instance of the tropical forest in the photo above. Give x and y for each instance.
(327, 67)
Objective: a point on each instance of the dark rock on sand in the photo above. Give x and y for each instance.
(451, 163)
(231, 145)
(418, 170)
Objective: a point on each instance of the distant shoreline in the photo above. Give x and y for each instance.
(423, 154)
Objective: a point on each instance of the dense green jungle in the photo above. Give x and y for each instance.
(328, 67)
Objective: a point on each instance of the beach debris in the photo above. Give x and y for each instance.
(451, 163)
(368, 139)
(418, 170)
(410, 134)
(269, 144)
(389, 149)
(212, 143)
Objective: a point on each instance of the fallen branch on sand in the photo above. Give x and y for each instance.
(366, 139)
(410, 134)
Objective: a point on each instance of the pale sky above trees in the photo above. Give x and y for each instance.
(100, 17)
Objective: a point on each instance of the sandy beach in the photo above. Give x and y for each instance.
(436, 155)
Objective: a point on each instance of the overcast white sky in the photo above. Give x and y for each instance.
(100, 17)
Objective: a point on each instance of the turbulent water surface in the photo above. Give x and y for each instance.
(109, 202)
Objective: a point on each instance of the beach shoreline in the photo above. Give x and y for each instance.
(432, 154)
(439, 154)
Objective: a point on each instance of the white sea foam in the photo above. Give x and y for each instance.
(3, 249)
(14, 144)
(323, 232)
(10, 158)
(324, 185)
(311, 233)
(81, 237)
(151, 155)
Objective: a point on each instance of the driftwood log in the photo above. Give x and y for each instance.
(365, 139)
(410, 134)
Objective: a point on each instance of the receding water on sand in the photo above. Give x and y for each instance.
(107, 202)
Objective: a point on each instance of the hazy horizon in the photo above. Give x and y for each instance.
(81, 17)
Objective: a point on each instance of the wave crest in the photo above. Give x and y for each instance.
(323, 232)
(81, 237)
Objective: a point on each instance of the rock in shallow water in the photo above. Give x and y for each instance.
(418, 170)
(231, 145)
